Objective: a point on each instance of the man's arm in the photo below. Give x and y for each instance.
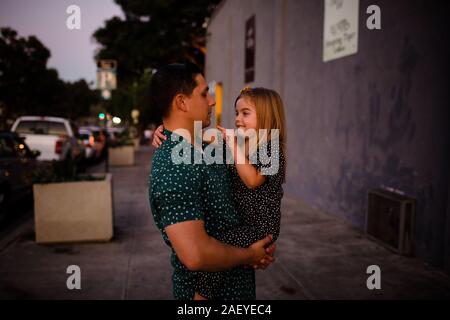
(200, 252)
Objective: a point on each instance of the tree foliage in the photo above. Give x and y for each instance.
(27, 86)
(153, 33)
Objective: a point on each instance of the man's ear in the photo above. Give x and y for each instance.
(180, 102)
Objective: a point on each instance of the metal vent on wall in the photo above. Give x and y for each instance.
(390, 220)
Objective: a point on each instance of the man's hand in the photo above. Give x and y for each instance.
(158, 137)
(259, 250)
(266, 261)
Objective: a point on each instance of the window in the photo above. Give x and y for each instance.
(41, 127)
(250, 44)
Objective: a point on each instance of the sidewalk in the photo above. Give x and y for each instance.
(318, 257)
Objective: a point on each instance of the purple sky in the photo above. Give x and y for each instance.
(72, 51)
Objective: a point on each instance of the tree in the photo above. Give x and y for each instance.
(27, 86)
(25, 80)
(153, 33)
(141, 100)
(76, 99)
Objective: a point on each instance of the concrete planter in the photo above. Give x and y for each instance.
(136, 144)
(121, 156)
(73, 211)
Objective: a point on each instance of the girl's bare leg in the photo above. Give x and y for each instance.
(199, 297)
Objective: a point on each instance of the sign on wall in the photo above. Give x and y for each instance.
(250, 44)
(340, 32)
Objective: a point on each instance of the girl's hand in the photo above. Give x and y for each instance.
(158, 137)
(228, 138)
(238, 150)
(222, 130)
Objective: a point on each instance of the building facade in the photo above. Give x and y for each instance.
(377, 118)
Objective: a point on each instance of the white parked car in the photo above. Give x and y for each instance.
(56, 138)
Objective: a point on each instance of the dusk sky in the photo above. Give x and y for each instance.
(72, 51)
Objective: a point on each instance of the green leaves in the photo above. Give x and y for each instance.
(154, 33)
(27, 86)
(59, 171)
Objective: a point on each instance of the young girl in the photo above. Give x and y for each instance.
(256, 189)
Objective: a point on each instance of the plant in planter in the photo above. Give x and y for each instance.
(70, 207)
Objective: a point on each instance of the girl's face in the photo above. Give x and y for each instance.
(245, 115)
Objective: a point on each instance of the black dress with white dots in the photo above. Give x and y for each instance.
(259, 209)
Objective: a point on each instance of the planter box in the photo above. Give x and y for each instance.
(121, 156)
(73, 211)
(136, 142)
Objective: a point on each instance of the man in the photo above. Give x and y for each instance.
(191, 203)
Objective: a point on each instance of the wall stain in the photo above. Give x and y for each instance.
(353, 182)
(386, 131)
(408, 62)
(390, 123)
(344, 126)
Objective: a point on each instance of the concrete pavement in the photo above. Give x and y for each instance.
(318, 257)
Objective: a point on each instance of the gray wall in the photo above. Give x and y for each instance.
(375, 119)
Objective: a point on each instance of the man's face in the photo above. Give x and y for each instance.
(200, 102)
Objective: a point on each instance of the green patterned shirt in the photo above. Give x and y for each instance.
(184, 192)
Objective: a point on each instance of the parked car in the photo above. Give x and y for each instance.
(56, 138)
(100, 138)
(117, 132)
(17, 162)
(88, 139)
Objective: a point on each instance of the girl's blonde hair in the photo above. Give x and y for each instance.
(269, 113)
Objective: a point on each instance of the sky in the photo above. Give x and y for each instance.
(72, 51)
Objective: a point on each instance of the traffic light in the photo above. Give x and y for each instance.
(101, 116)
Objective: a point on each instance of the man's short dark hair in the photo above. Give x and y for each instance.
(169, 81)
